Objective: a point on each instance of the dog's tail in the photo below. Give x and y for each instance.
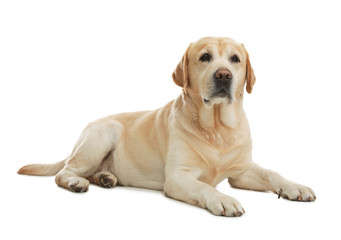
(42, 169)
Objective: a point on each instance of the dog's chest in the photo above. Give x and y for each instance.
(229, 156)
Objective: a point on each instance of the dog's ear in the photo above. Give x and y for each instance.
(180, 74)
(250, 75)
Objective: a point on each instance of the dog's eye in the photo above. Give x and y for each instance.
(206, 57)
(235, 59)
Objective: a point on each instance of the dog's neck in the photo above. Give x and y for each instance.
(220, 116)
(222, 125)
(214, 117)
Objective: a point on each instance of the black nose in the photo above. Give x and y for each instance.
(223, 75)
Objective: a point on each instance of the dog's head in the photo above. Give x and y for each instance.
(215, 70)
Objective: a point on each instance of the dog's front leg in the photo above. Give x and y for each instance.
(260, 179)
(183, 184)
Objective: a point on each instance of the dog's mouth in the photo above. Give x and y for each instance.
(222, 94)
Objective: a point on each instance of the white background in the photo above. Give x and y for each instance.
(65, 63)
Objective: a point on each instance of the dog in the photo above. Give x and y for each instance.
(184, 148)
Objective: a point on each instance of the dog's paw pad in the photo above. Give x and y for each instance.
(107, 181)
(79, 186)
(76, 188)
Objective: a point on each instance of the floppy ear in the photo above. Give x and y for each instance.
(250, 75)
(180, 74)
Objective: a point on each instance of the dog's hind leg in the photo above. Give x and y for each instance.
(97, 140)
(103, 176)
(104, 179)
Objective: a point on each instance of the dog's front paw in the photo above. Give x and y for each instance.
(223, 205)
(296, 192)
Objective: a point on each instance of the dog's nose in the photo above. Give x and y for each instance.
(223, 74)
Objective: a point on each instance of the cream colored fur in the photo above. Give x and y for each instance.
(184, 148)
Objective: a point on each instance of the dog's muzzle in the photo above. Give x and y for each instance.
(222, 79)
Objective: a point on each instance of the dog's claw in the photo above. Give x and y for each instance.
(280, 194)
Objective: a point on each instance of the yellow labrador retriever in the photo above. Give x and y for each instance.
(184, 148)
